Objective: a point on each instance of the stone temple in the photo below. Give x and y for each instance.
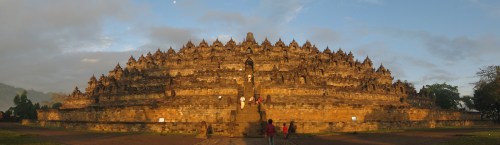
(319, 91)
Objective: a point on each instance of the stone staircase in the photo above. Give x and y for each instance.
(248, 122)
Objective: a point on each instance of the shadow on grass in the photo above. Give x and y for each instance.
(440, 136)
(10, 137)
(491, 137)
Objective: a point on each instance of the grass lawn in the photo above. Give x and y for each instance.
(491, 137)
(10, 137)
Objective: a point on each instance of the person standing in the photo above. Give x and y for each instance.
(259, 100)
(242, 99)
(291, 129)
(270, 132)
(250, 101)
(285, 131)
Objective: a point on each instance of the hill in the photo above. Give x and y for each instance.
(8, 92)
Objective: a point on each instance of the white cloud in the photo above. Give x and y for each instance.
(47, 43)
(165, 37)
(450, 49)
(281, 11)
(89, 60)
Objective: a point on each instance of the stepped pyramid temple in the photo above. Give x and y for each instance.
(200, 86)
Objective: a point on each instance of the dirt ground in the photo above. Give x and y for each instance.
(416, 137)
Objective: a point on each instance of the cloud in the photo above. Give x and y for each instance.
(281, 11)
(324, 36)
(231, 18)
(492, 8)
(89, 60)
(437, 76)
(461, 47)
(48, 25)
(50, 44)
(165, 36)
(451, 49)
(61, 71)
(419, 62)
(269, 19)
(377, 52)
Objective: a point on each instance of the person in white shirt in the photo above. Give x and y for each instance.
(250, 101)
(242, 99)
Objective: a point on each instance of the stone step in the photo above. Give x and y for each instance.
(248, 129)
(248, 119)
(248, 122)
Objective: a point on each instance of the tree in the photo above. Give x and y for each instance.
(24, 108)
(7, 114)
(487, 92)
(446, 96)
(44, 107)
(56, 105)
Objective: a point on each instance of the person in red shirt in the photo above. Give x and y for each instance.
(285, 131)
(270, 131)
(259, 100)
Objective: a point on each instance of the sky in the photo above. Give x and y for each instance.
(55, 45)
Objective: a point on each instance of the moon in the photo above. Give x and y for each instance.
(174, 2)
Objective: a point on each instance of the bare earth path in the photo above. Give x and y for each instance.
(94, 138)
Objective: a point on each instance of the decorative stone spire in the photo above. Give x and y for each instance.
(279, 43)
(91, 84)
(158, 55)
(350, 57)
(381, 69)
(294, 44)
(230, 43)
(93, 79)
(189, 44)
(307, 44)
(357, 63)
(315, 49)
(170, 51)
(141, 59)
(327, 50)
(149, 57)
(217, 43)
(118, 67)
(131, 61)
(340, 52)
(367, 61)
(266, 42)
(158, 51)
(76, 92)
(117, 72)
(203, 43)
(102, 78)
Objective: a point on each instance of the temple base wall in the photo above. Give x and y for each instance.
(226, 128)
(307, 118)
(147, 114)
